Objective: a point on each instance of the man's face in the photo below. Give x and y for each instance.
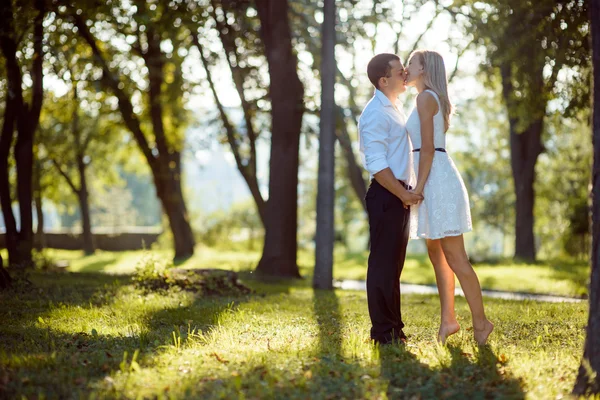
(396, 82)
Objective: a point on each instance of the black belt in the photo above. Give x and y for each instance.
(407, 187)
(437, 149)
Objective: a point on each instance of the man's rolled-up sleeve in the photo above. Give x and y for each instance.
(374, 130)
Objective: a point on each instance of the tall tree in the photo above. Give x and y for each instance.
(80, 139)
(238, 34)
(149, 28)
(324, 238)
(286, 93)
(72, 140)
(588, 379)
(24, 114)
(553, 35)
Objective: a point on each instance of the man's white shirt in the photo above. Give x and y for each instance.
(383, 139)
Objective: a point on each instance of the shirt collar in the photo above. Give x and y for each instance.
(383, 99)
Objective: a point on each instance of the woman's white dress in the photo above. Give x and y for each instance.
(445, 209)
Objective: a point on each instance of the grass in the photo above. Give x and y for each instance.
(560, 277)
(80, 335)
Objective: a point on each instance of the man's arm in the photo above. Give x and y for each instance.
(374, 129)
(387, 179)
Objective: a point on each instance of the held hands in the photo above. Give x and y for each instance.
(411, 199)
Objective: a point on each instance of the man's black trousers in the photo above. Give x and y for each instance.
(389, 227)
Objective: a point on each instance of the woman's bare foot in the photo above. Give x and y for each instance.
(481, 334)
(447, 329)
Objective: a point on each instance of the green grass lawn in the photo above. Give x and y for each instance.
(93, 335)
(567, 278)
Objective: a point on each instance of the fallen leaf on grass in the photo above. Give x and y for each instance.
(503, 358)
(219, 358)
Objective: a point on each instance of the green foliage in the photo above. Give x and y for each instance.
(563, 208)
(151, 272)
(543, 47)
(484, 160)
(238, 228)
(43, 261)
(154, 273)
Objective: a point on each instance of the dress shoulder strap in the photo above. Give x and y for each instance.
(435, 96)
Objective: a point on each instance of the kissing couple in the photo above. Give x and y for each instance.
(415, 191)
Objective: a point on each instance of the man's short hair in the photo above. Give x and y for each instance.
(379, 67)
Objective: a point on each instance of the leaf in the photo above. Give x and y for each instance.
(135, 366)
(41, 320)
(94, 333)
(219, 358)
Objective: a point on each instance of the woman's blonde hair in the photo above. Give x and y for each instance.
(434, 78)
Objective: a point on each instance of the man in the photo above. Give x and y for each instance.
(387, 155)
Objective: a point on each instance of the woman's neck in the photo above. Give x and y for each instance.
(420, 86)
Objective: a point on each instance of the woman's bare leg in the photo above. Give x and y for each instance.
(454, 250)
(444, 278)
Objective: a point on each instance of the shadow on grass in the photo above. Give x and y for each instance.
(577, 272)
(37, 358)
(465, 377)
(99, 265)
(59, 365)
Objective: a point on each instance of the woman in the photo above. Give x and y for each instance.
(444, 214)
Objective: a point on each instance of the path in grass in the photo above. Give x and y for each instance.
(556, 277)
(408, 288)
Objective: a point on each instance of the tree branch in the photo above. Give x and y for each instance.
(429, 25)
(66, 176)
(112, 82)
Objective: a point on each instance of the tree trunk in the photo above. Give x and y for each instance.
(168, 190)
(5, 280)
(27, 118)
(325, 235)
(40, 237)
(286, 93)
(7, 135)
(525, 147)
(84, 204)
(590, 365)
(165, 166)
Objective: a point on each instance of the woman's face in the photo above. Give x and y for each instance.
(414, 71)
